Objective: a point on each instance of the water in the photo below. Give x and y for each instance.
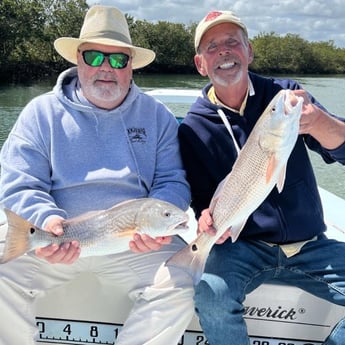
(330, 91)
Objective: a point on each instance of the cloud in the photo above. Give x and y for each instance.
(314, 20)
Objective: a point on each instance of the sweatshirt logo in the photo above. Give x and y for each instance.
(137, 135)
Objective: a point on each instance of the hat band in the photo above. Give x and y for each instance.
(107, 35)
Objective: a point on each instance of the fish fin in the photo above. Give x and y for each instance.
(271, 167)
(17, 240)
(81, 218)
(281, 179)
(190, 259)
(235, 230)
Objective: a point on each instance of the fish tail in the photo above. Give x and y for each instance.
(191, 260)
(17, 240)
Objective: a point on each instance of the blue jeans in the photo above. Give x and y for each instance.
(235, 269)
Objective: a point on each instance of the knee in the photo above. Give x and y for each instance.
(203, 296)
(213, 293)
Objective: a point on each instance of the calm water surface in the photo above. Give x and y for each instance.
(330, 91)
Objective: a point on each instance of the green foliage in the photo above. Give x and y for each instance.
(21, 23)
(65, 19)
(292, 54)
(28, 29)
(171, 42)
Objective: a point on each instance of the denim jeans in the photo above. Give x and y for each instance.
(235, 269)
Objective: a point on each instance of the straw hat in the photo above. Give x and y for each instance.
(104, 25)
(214, 18)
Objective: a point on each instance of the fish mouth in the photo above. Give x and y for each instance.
(183, 226)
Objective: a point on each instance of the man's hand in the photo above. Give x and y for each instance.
(145, 243)
(67, 253)
(205, 224)
(327, 130)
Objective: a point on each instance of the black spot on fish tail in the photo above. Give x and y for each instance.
(194, 248)
(17, 240)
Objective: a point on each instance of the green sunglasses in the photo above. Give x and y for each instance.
(96, 58)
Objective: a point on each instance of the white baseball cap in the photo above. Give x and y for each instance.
(214, 18)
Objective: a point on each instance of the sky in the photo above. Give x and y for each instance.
(312, 20)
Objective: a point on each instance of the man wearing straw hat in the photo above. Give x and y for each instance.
(93, 141)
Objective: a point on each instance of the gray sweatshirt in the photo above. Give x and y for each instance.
(64, 156)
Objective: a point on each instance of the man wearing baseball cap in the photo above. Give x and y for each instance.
(283, 240)
(94, 141)
(214, 18)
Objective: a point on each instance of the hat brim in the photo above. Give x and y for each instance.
(67, 47)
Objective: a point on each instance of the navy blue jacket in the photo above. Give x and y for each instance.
(208, 154)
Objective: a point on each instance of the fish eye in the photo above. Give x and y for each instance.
(32, 231)
(167, 214)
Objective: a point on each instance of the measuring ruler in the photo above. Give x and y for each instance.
(61, 331)
(58, 331)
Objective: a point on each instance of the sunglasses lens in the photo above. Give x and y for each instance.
(95, 58)
(118, 60)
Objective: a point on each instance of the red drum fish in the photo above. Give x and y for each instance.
(259, 167)
(98, 232)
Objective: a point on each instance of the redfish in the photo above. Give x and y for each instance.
(259, 167)
(98, 232)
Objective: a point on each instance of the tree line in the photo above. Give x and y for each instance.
(28, 29)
